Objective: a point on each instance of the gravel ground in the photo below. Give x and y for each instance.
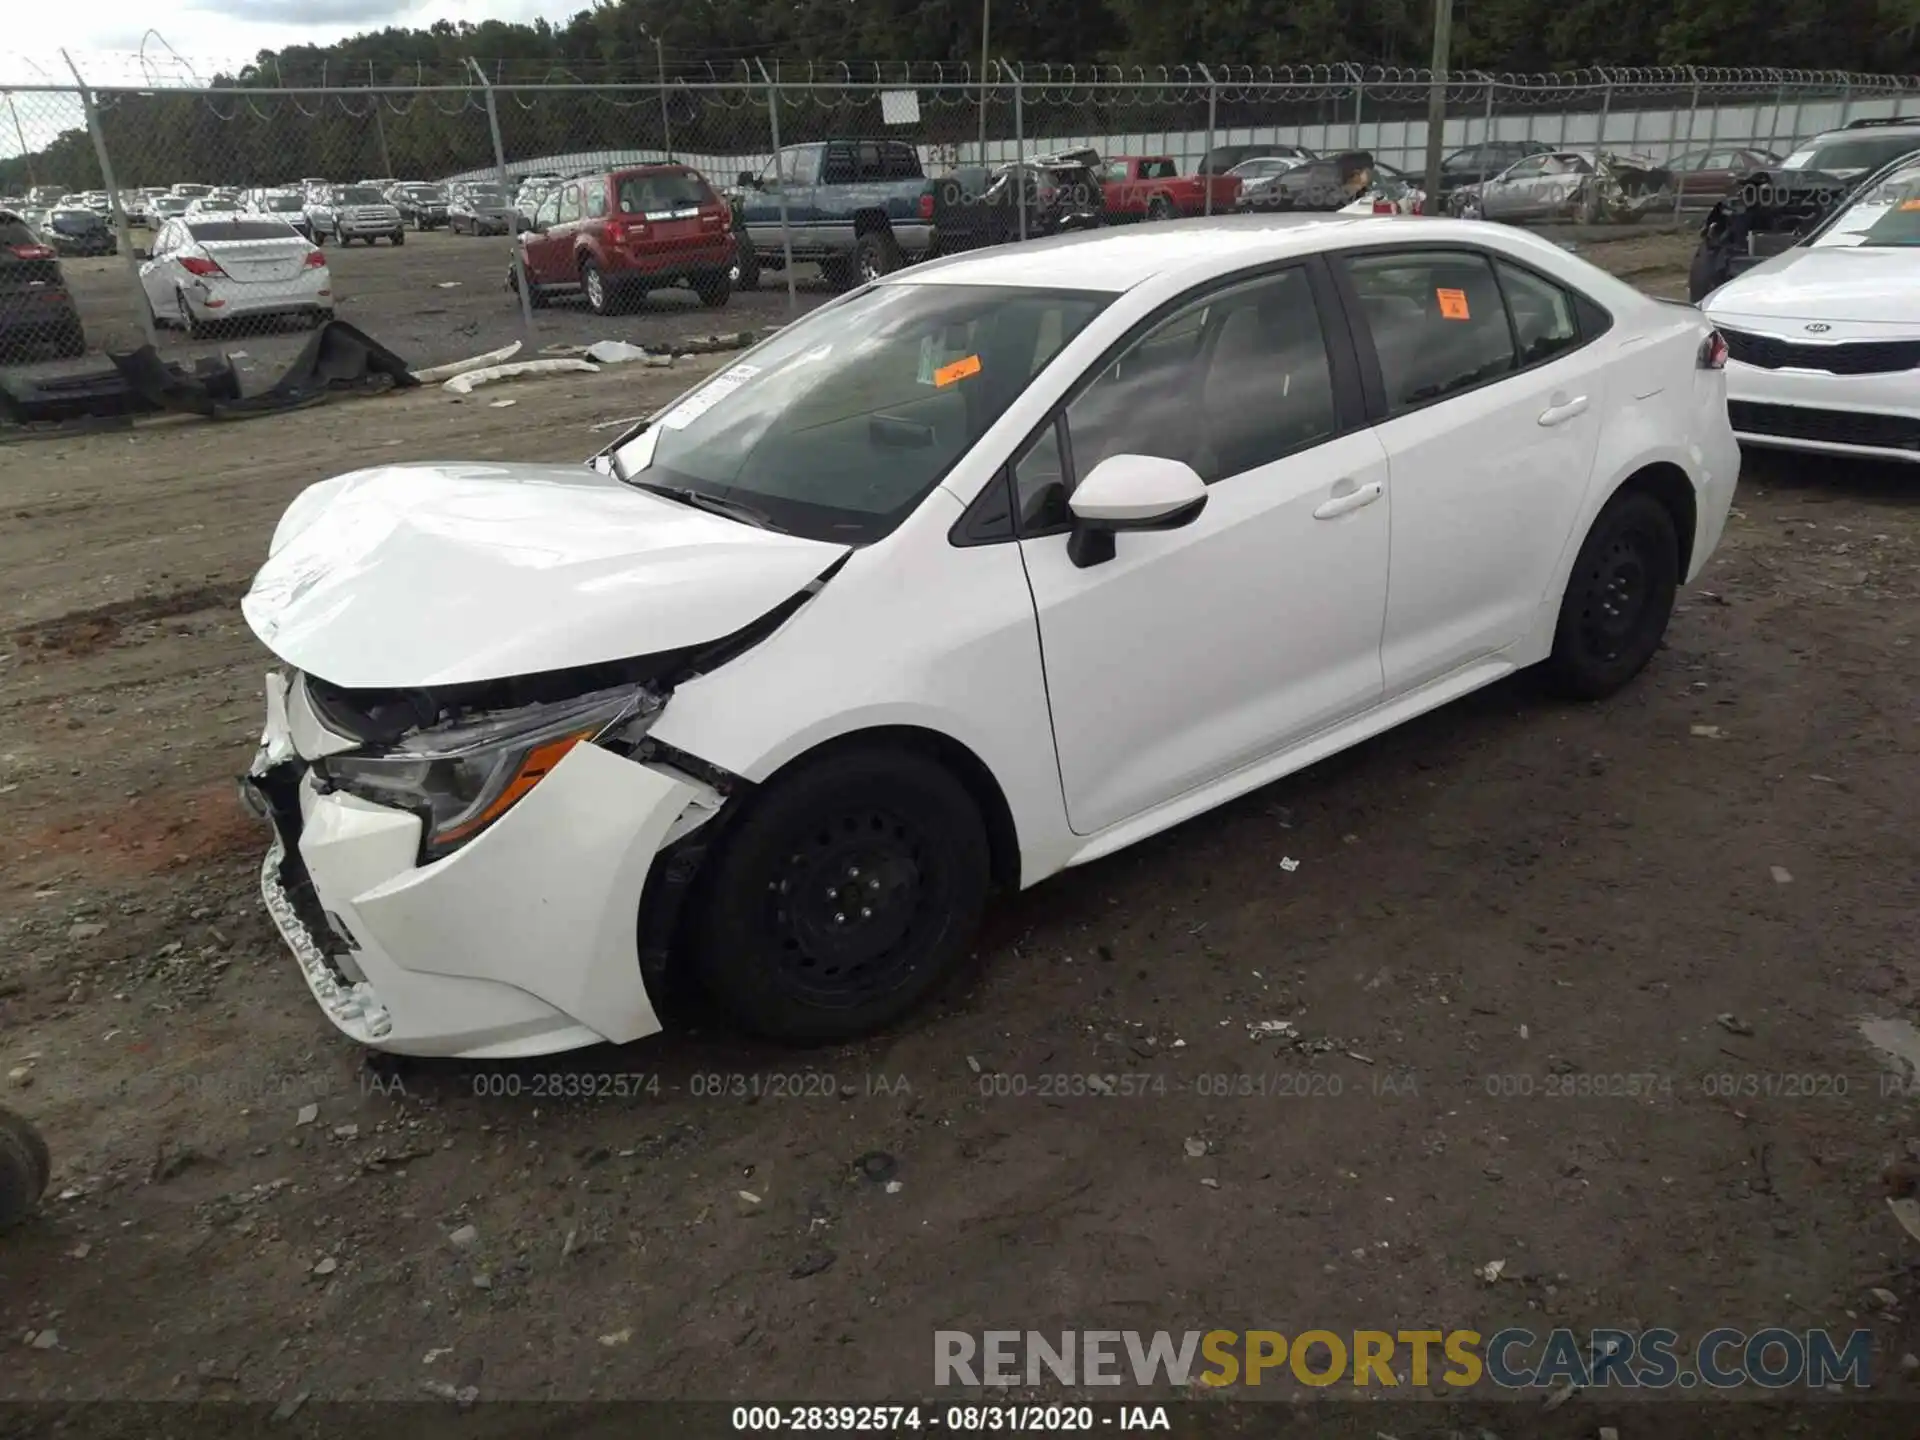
(1474, 926)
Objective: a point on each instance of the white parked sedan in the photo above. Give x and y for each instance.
(1824, 338)
(206, 269)
(989, 568)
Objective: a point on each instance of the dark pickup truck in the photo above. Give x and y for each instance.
(857, 208)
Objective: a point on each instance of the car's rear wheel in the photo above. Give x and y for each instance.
(843, 895)
(194, 329)
(1160, 208)
(25, 1168)
(1618, 600)
(875, 254)
(399, 237)
(601, 296)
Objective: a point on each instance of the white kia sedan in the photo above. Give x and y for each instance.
(1824, 338)
(206, 269)
(989, 568)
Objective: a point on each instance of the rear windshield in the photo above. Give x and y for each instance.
(283, 202)
(649, 194)
(490, 196)
(240, 229)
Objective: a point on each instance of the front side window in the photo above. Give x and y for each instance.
(841, 424)
(1437, 323)
(1230, 383)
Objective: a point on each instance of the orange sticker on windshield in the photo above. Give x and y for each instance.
(958, 370)
(1910, 204)
(1453, 304)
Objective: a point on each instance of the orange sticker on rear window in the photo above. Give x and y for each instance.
(1453, 304)
(958, 370)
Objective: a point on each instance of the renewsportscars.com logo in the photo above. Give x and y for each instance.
(1773, 1358)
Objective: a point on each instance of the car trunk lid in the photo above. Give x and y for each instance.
(260, 261)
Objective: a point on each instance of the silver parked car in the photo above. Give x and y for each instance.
(1588, 186)
(354, 212)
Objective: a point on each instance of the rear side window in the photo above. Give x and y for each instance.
(1544, 319)
(15, 232)
(1437, 322)
(596, 201)
(204, 230)
(651, 194)
(1157, 170)
(900, 162)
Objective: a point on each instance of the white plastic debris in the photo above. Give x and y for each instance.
(1491, 1271)
(749, 1197)
(1704, 732)
(619, 352)
(1781, 875)
(1289, 864)
(1261, 1029)
(1195, 1146)
(464, 384)
(437, 373)
(446, 284)
(501, 404)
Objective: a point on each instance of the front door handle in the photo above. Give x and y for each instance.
(1562, 411)
(1350, 500)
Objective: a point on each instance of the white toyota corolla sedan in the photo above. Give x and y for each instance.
(990, 568)
(1824, 338)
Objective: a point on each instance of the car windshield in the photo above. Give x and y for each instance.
(361, 195)
(1265, 165)
(283, 202)
(204, 230)
(1884, 213)
(485, 196)
(75, 217)
(1862, 154)
(838, 426)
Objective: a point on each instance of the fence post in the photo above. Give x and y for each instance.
(125, 233)
(780, 184)
(520, 283)
(1606, 109)
(379, 124)
(1213, 102)
(1019, 145)
(1493, 87)
(1359, 97)
(1693, 116)
(1846, 102)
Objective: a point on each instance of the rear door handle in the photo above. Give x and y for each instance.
(1561, 413)
(1353, 499)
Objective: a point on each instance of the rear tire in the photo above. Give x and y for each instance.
(602, 298)
(846, 893)
(875, 254)
(399, 237)
(25, 1168)
(1618, 600)
(1160, 208)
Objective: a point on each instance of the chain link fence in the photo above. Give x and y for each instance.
(462, 213)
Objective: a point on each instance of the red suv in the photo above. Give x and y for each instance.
(616, 236)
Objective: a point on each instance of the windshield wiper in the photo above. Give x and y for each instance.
(714, 504)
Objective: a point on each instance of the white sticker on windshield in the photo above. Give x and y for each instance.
(716, 390)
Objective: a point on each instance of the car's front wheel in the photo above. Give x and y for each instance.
(1618, 600)
(847, 891)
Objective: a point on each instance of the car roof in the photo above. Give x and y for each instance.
(1862, 132)
(1123, 256)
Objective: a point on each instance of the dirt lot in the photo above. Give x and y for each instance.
(1495, 912)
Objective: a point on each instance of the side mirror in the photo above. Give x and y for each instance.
(1131, 492)
(746, 181)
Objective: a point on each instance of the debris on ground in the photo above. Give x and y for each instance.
(463, 1237)
(1265, 1029)
(1289, 864)
(1781, 875)
(1195, 1147)
(1733, 1024)
(1491, 1271)
(467, 381)
(1704, 732)
(877, 1166)
(433, 375)
(619, 352)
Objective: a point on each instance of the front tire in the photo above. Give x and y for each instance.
(399, 237)
(1619, 598)
(714, 290)
(844, 895)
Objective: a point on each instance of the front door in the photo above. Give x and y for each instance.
(1489, 447)
(1194, 652)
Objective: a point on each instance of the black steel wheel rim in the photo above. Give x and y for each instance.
(854, 904)
(1616, 595)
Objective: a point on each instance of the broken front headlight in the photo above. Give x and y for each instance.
(462, 776)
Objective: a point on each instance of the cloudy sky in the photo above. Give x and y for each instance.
(105, 36)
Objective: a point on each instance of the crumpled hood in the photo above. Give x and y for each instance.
(442, 574)
(1877, 287)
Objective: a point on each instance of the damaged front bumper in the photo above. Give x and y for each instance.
(524, 941)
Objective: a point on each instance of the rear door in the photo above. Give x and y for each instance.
(1488, 398)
